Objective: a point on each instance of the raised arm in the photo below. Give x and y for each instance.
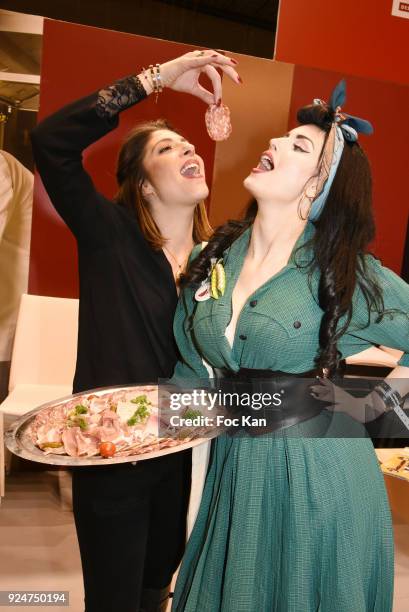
(60, 139)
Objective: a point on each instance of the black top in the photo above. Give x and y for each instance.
(127, 291)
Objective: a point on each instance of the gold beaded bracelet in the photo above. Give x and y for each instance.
(153, 77)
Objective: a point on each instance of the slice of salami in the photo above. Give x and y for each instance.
(218, 122)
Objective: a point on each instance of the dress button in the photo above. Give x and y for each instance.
(253, 303)
(243, 337)
(297, 324)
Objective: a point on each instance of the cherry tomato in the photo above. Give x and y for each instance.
(107, 449)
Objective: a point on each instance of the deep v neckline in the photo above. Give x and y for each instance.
(247, 234)
(303, 237)
(248, 299)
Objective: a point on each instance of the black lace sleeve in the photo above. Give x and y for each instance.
(59, 141)
(119, 96)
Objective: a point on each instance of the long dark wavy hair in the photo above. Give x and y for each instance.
(340, 242)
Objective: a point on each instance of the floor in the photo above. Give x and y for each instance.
(38, 547)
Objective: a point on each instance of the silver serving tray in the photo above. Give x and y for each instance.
(18, 441)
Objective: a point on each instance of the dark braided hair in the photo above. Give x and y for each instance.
(343, 232)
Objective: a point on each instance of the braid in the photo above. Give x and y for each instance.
(328, 355)
(222, 239)
(343, 232)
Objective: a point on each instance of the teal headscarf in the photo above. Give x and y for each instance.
(345, 127)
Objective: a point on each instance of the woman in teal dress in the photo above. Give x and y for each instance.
(290, 522)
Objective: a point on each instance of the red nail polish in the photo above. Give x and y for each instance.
(215, 55)
(240, 80)
(219, 101)
(233, 61)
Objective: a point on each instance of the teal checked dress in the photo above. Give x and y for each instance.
(287, 522)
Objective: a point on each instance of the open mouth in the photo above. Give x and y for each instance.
(191, 169)
(266, 163)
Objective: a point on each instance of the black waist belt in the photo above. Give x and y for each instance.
(287, 398)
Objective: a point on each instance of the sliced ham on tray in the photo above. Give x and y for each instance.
(127, 418)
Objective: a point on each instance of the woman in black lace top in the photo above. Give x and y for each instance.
(130, 519)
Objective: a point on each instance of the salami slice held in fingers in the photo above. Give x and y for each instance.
(218, 122)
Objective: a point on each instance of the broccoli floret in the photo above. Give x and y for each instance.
(80, 409)
(191, 414)
(82, 423)
(139, 415)
(140, 399)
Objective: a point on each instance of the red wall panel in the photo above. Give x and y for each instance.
(76, 61)
(384, 104)
(353, 36)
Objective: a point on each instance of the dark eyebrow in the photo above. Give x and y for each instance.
(167, 140)
(301, 136)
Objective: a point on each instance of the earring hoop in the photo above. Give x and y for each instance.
(304, 196)
(299, 207)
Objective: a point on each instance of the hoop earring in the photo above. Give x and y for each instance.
(299, 207)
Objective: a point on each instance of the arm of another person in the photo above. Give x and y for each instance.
(21, 205)
(16, 195)
(6, 194)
